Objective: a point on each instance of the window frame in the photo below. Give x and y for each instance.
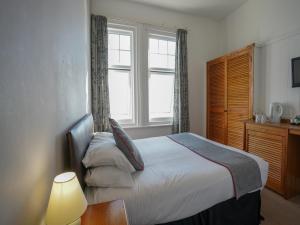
(167, 36)
(140, 71)
(115, 28)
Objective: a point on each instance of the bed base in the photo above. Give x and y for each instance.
(244, 211)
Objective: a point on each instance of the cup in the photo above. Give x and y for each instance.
(258, 118)
(263, 118)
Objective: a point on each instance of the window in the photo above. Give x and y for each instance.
(141, 68)
(161, 61)
(121, 74)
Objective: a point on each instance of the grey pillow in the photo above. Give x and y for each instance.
(126, 145)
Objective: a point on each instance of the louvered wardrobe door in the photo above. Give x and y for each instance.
(239, 94)
(216, 100)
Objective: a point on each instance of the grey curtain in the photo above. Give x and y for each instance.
(181, 122)
(99, 72)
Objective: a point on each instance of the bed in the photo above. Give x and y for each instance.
(176, 187)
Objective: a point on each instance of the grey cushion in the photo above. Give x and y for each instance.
(126, 145)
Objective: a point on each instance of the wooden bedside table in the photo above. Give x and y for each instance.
(107, 213)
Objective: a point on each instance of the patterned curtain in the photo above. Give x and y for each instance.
(99, 73)
(181, 122)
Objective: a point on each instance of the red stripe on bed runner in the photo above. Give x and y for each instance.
(233, 181)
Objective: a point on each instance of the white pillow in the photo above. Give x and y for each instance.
(103, 151)
(102, 137)
(108, 176)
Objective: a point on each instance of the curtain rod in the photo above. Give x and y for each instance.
(130, 21)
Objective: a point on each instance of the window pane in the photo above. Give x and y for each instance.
(125, 58)
(161, 91)
(120, 94)
(161, 54)
(158, 61)
(171, 47)
(163, 47)
(153, 60)
(153, 45)
(124, 42)
(113, 41)
(171, 62)
(119, 50)
(163, 61)
(113, 57)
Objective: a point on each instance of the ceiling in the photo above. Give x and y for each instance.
(215, 9)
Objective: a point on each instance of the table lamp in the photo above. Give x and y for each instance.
(67, 202)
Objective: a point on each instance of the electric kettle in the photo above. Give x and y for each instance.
(276, 111)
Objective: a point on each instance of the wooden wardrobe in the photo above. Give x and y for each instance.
(230, 96)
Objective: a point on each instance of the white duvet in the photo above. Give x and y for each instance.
(176, 183)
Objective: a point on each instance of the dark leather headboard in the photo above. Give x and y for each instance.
(79, 137)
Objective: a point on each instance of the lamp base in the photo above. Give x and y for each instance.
(76, 222)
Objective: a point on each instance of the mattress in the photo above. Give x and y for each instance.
(176, 183)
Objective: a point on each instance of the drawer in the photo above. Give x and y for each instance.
(263, 128)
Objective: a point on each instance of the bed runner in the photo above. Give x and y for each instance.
(244, 170)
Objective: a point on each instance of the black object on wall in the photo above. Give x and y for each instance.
(296, 72)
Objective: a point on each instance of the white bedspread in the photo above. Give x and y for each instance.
(176, 183)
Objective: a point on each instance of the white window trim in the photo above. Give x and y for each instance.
(132, 68)
(168, 36)
(141, 72)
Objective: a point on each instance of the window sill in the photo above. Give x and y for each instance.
(147, 126)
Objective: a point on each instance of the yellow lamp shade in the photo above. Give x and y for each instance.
(67, 202)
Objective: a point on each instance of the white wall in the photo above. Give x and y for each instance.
(275, 25)
(203, 44)
(43, 75)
